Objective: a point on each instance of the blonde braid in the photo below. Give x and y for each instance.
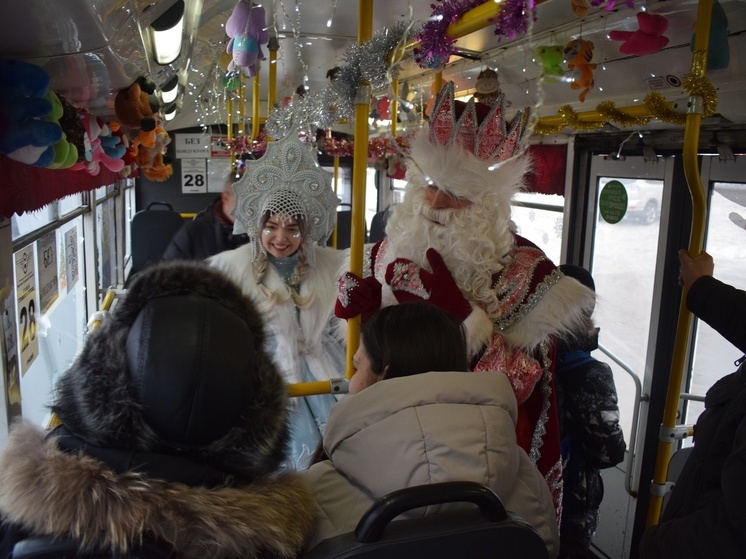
(302, 269)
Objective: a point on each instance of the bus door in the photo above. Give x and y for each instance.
(625, 228)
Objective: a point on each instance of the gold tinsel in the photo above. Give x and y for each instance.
(608, 110)
(571, 118)
(547, 130)
(656, 104)
(700, 85)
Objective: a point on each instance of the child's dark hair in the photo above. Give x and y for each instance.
(413, 338)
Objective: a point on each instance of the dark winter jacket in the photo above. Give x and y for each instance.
(174, 424)
(592, 439)
(706, 516)
(207, 234)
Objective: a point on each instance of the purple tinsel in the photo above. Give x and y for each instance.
(512, 20)
(435, 47)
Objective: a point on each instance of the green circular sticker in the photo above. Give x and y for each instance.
(612, 204)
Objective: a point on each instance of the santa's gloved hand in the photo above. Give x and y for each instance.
(410, 282)
(357, 296)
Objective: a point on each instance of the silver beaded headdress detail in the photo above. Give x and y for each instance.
(287, 180)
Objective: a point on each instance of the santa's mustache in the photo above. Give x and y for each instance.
(440, 216)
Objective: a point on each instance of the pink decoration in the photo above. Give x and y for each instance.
(647, 39)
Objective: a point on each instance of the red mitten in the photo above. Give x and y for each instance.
(409, 282)
(356, 295)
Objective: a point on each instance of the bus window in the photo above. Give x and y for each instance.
(538, 218)
(726, 242)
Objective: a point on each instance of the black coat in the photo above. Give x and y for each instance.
(706, 514)
(207, 234)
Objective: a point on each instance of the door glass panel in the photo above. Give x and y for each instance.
(726, 242)
(538, 218)
(623, 267)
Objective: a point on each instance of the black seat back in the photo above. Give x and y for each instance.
(152, 230)
(486, 532)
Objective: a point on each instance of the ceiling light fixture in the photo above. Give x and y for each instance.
(166, 34)
(170, 90)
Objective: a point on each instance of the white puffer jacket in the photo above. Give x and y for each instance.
(426, 429)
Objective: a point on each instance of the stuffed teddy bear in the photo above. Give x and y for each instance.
(551, 57)
(151, 160)
(579, 53)
(95, 154)
(246, 28)
(647, 39)
(135, 107)
(26, 132)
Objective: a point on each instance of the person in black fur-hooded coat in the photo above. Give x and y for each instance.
(174, 424)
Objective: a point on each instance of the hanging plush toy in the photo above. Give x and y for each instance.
(65, 152)
(135, 107)
(647, 39)
(579, 54)
(551, 57)
(488, 87)
(246, 28)
(152, 160)
(26, 132)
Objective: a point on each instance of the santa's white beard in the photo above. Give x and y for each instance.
(473, 242)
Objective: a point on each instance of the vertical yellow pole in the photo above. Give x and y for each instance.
(255, 106)
(359, 176)
(394, 107)
(241, 107)
(336, 190)
(229, 123)
(273, 47)
(699, 209)
(437, 82)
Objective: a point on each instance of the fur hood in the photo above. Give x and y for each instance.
(48, 491)
(223, 368)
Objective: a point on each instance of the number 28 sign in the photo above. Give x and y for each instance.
(27, 307)
(193, 176)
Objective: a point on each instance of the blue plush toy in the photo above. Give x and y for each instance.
(26, 134)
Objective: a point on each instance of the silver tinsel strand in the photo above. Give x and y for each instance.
(367, 62)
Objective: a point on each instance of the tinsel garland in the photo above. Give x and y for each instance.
(513, 19)
(608, 110)
(366, 63)
(655, 103)
(435, 47)
(378, 147)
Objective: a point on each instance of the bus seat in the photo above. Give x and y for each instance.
(152, 230)
(484, 532)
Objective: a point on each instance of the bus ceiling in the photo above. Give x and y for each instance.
(92, 49)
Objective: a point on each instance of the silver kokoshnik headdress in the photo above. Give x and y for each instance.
(287, 179)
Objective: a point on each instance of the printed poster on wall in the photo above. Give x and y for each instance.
(71, 257)
(26, 307)
(12, 380)
(46, 254)
(193, 176)
(217, 173)
(192, 146)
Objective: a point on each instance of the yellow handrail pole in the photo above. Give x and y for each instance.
(309, 388)
(255, 108)
(336, 187)
(394, 107)
(53, 420)
(273, 47)
(699, 209)
(437, 82)
(359, 176)
(229, 122)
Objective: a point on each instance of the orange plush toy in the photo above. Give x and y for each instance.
(578, 54)
(153, 163)
(135, 107)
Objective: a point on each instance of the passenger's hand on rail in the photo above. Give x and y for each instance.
(357, 296)
(694, 268)
(410, 282)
